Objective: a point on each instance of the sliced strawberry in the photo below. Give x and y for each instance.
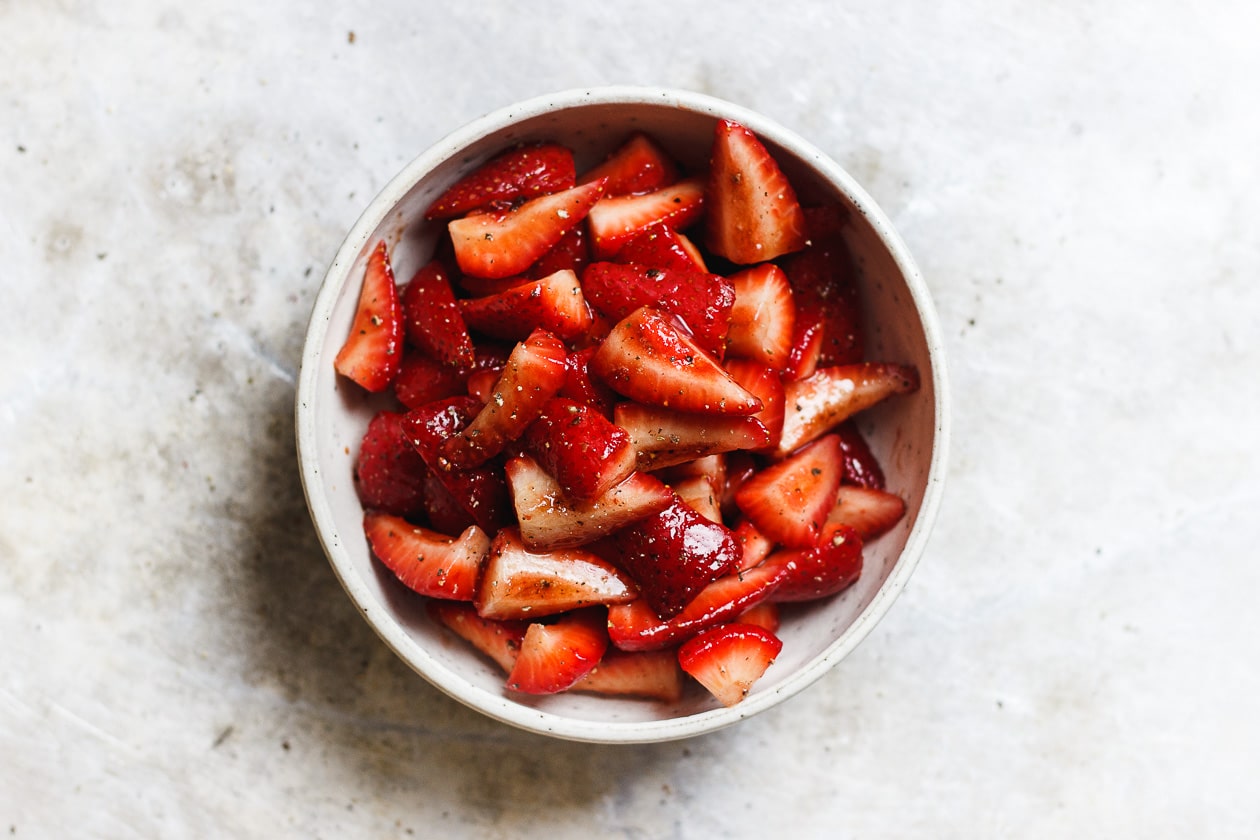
(660, 246)
(549, 521)
(860, 465)
(519, 583)
(703, 301)
(373, 351)
(824, 282)
(615, 220)
(649, 359)
(425, 561)
(728, 660)
(580, 387)
(764, 384)
(424, 380)
(481, 384)
(479, 287)
(444, 512)
(533, 375)
(753, 214)
(869, 512)
(754, 546)
(789, 501)
(712, 467)
(740, 466)
(554, 303)
(822, 570)
(653, 674)
(572, 252)
(697, 493)
(585, 453)
(639, 165)
(432, 318)
(763, 317)
(555, 656)
(499, 640)
(807, 344)
(663, 437)
(832, 395)
(519, 173)
(389, 473)
(506, 242)
(764, 615)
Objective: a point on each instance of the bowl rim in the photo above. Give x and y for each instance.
(503, 708)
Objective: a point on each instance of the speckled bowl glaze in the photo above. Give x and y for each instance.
(909, 434)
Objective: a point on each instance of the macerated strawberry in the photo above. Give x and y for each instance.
(754, 546)
(425, 561)
(615, 220)
(649, 359)
(789, 501)
(432, 319)
(728, 660)
(639, 165)
(807, 343)
(752, 211)
(499, 640)
(580, 387)
(422, 379)
(517, 582)
(443, 511)
(507, 242)
(763, 317)
(479, 287)
(555, 303)
(660, 246)
(712, 467)
(555, 656)
(663, 437)
(672, 555)
(868, 511)
(520, 173)
(585, 453)
(823, 279)
(764, 615)
(549, 521)
(860, 465)
(373, 351)
(653, 674)
(532, 376)
(389, 473)
(766, 385)
(703, 301)
(822, 570)
(697, 492)
(830, 396)
(572, 252)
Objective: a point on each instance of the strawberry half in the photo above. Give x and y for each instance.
(425, 561)
(549, 521)
(554, 303)
(860, 465)
(519, 173)
(763, 317)
(519, 583)
(660, 246)
(753, 214)
(868, 511)
(433, 323)
(585, 453)
(819, 403)
(789, 501)
(653, 674)
(555, 656)
(822, 570)
(662, 437)
(766, 385)
(499, 640)
(373, 351)
(390, 474)
(728, 660)
(648, 359)
(639, 165)
(502, 243)
(614, 221)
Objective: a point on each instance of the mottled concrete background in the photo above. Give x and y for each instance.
(1077, 655)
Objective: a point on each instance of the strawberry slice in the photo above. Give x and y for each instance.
(766, 385)
(763, 317)
(789, 501)
(432, 318)
(615, 220)
(519, 583)
(754, 546)
(580, 387)
(712, 467)
(554, 303)
(555, 656)
(647, 358)
(764, 615)
(819, 403)
(444, 512)
(868, 511)
(572, 252)
(807, 343)
(824, 282)
(697, 492)
(634, 626)
(822, 570)
(389, 473)
(425, 561)
(499, 640)
(753, 214)
(639, 165)
(422, 379)
(550, 521)
(533, 375)
(660, 246)
(703, 301)
(740, 466)
(502, 243)
(520, 173)
(585, 453)
(728, 660)
(653, 674)
(860, 465)
(373, 351)
(662, 437)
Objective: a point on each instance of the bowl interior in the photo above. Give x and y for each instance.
(907, 434)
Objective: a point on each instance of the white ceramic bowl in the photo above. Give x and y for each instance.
(909, 434)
